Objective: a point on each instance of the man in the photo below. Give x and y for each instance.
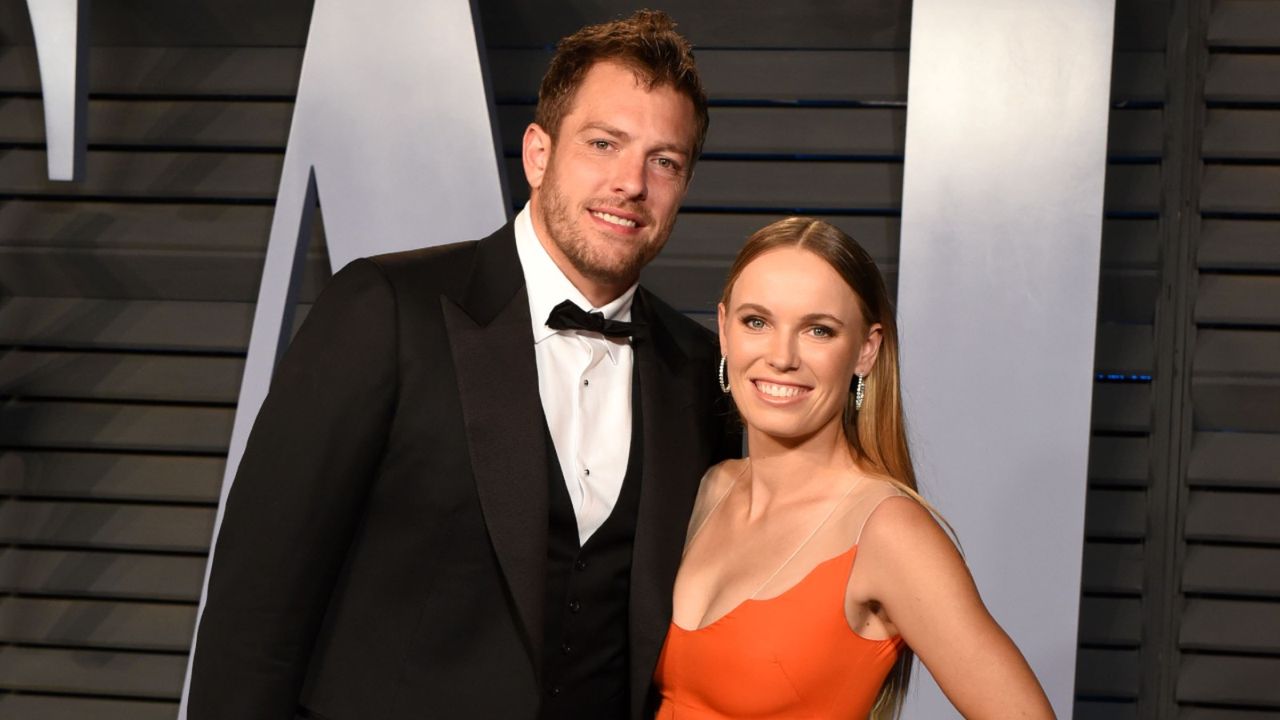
(464, 497)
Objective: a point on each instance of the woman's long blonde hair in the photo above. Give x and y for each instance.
(876, 433)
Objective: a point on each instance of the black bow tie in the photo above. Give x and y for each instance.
(568, 316)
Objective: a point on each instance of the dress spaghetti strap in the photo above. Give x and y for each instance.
(746, 465)
(879, 501)
(834, 506)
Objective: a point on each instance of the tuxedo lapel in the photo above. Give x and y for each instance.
(671, 467)
(492, 346)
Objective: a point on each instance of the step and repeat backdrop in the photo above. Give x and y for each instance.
(127, 300)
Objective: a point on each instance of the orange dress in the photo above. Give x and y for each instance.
(790, 656)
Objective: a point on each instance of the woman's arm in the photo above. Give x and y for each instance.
(910, 567)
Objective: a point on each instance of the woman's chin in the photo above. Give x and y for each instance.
(786, 430)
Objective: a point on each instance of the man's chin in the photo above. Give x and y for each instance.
(616, 274)
(609, 277)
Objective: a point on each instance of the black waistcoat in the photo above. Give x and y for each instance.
(585, 650)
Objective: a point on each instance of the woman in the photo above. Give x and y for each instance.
(772, 616)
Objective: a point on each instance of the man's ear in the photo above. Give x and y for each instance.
(536, 153)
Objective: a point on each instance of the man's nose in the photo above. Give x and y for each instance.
(629, 177)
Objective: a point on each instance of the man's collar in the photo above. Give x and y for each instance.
(547, 285)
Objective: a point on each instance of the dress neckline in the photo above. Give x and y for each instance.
(756, 601)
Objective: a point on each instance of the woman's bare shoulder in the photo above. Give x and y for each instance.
(715, 482)
(897, 526)
(720, 477)
(867, 494)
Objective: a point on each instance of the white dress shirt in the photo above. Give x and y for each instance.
(584, 380)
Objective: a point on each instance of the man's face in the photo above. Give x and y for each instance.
(606, 192)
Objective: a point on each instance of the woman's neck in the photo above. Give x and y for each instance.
(792, 468)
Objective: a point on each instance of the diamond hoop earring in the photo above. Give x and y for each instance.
(724, 382)
(858, 392)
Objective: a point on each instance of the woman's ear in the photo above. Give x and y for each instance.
(720, 322)
(870, 350)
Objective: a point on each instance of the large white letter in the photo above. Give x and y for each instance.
(393, 133)
(1001, 224)
(61, 30)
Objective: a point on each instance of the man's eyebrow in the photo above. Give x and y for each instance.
(606, 127)
(673, 148)
(623, 135)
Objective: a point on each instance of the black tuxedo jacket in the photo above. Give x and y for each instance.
(384, 546)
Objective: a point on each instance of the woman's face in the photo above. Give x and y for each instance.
(794, 337)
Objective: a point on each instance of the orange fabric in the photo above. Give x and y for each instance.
(790, 656)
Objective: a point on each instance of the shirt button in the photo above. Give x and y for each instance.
(586, 471)
(566, 648)
(580, 565)
(574, 606)
(555, 691)
(586, 382)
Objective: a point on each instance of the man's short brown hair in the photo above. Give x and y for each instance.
(647, 43)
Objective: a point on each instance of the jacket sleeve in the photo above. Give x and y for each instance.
(297, 497)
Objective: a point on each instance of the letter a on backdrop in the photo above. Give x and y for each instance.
(393, 135)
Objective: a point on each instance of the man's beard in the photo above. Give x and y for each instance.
(590, 260)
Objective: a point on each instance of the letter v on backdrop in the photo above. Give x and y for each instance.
(393, 135)
(61, 32)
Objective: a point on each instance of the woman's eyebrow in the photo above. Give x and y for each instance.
(811, 317)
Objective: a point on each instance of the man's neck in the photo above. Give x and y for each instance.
(598, 294)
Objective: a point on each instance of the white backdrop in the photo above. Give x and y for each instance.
(998, 285)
